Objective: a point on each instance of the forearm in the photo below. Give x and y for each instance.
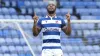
(68, 28)
(35, 30)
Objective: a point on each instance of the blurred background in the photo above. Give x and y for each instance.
(83, 41)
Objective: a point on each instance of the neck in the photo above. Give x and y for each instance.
(52, 15)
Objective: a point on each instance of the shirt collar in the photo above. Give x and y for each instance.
(47, 16)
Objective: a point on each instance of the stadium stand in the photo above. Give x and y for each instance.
(83, 41)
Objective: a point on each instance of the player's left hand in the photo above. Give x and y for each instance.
(68, 16)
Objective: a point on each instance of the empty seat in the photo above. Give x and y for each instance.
(27, 3)
(9, 41)
(19, 49)
(28, 17)
(26, 49)
(16, 41)
(12, 11)
(21, 54)
(1, 16)
(14, 17)
(7, 17)
(79, 54)
(6, 54)
(2, 41)
(21, 17)
(71, 54)
(86, 54)
(4, 49)
(5, 11)
(12, 49)
(14, 54)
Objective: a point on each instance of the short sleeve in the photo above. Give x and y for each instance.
(39, 23)
(63, 23)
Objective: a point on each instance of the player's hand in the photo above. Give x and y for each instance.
(68, 16)
(35, 18)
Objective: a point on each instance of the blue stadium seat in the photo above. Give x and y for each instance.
(12, 11)
(89, 48)
(6, 54)
(16, 41)
(12, 49)
(79, 54)
(14, 4)
(9, 41)
(34, 4)
(88, 17)
(64, 11)
(23, 11)
(4, 49)
(14, 17)
(83, 11)
(79, 5)
(0, 11)
(19, 49)
(68, 4)
(76, 49)
(7, 3)
(71, 54)
(1, 17)
(43, 11)
(98, 54)
(69, 49)
(1, 54)
(26, 49)
(21, 16)
(30, 11)
(96, 48)
(28, 54)
(27, 3)
(21, 54)
(20, 4)
(22, 41)
(5, 11)
(86, 54)
(14, 54)
(28, 17)
(2, 41)
(93, 54)
(7, 17)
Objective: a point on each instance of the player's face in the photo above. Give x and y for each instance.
(51, 8)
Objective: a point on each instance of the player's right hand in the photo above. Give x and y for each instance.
(35, 18)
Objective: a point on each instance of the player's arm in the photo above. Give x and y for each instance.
(67, 29)
(36, 30)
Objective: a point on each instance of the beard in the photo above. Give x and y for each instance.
(51, 12)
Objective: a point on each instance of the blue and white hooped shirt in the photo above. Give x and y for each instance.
(51, 27)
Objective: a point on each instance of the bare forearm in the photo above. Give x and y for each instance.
(68, 28)
(35, 30)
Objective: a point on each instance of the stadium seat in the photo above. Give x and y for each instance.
(19, 49)
(14, 54)
(7, 54)
(16, 41)
(86, 54)
(26, 49)
(79, 54)
(12, 49)
(14, 17)
(71, 54)
(1, 17)
(9, 41)
(4, 49)
(12, 11)
(7, 17)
